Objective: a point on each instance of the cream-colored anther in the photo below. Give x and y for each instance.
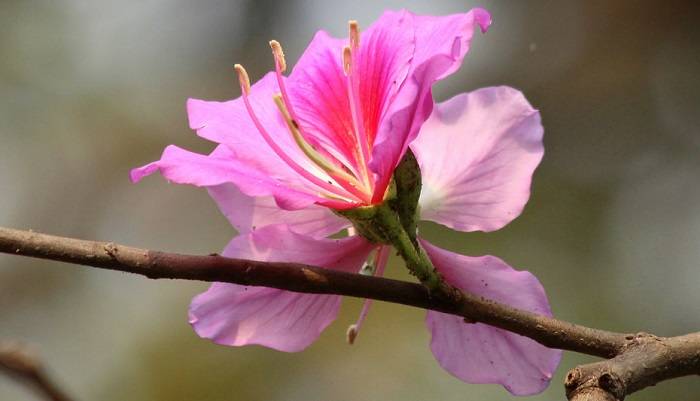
(351, 334)
(243, 78)
(347, 60)
(354, 34)
(279, 54)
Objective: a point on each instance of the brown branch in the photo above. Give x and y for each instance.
(645, 361)
(18, 361)
(550, 332)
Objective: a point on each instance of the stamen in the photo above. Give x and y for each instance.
(354, 34)
(279, 54)
(245, 90)
(243, 78)
(347, 60)
(380, 259)
(347, 181)
(354, 99)
(299, 135)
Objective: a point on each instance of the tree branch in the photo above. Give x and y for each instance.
(553, 333)
(17, 361)
(645, 361)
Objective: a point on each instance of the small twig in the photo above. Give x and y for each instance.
(19, 362)
(632, 355)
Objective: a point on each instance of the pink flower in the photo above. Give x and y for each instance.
(334, 130)
(333, 141)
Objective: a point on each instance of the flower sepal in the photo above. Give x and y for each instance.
(376, 223)
(408, 187)
(382, 224)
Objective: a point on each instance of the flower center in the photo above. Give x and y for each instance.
(354, 183)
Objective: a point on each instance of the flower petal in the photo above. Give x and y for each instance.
(230, 124)
(184, 167)
(318, 85)
(247, 213)
(237, 315)
(440, 46)
(478, 353)
(477, 153)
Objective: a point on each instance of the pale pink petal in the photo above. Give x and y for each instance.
(185, 167)
(236, 315)
(247, 213)
(477, 153)
(478, 353)
(440, 46)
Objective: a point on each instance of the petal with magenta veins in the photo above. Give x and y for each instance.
(440, 46)
(319, 87)
(230, 124)
(237, 315)
(478, 353)
(477, 154)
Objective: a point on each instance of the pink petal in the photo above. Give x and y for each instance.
(185, 167)
(230, 124)
(247, 213)
(477, 153)
(236, 315)
(319, 89)
(440, 46)
(478, 353)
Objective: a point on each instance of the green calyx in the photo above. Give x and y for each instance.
(394, 221)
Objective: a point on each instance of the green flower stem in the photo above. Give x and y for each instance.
(381, 224)
(413, 254)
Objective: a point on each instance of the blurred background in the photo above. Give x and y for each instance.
(91, 89)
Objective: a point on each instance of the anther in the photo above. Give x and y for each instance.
(347, 60)
(243, 78)
(354, 34)
(279, 54)
(351, 334)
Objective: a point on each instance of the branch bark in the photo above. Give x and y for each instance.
(674, 357)
(645, 361)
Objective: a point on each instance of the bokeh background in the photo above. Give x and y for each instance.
(90, 89)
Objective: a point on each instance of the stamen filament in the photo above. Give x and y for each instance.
(245, 91)
(355, 110)
(380, 260)
(280, 67)
(345, 180)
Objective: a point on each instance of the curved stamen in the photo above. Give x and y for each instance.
(350, 70)
(245, 92)
(380, 260)
(280, 67)
(347, 181)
